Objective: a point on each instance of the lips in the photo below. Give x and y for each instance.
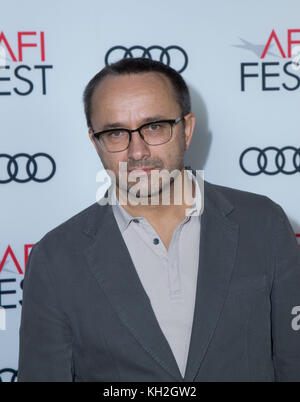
(142, 169)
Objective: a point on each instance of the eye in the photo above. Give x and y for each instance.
(116, 133)
(153, 127)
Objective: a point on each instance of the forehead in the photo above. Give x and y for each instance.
(119, 96)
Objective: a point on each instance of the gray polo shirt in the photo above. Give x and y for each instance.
(169, 277)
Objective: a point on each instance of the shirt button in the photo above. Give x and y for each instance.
(135, 220)
(155, 240)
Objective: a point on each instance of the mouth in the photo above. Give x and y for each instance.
(142, 170)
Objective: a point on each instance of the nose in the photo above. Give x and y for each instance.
(138, 149)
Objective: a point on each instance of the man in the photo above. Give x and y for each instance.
(128, 291)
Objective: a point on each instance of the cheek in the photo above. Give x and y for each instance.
(114, 164)
(108, 161)
(177, 147)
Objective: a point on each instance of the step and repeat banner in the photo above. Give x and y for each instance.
(241, 60)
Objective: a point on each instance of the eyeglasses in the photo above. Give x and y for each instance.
(154, 133)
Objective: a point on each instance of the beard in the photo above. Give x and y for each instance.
(160, 179)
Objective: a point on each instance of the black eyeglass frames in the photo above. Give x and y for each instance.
(153, 133)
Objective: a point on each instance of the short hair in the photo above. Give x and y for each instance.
(135, 66)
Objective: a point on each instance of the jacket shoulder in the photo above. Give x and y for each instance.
(69, 232)
(236, 194)
(245, 203)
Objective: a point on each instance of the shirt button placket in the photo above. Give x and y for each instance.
(174, 274)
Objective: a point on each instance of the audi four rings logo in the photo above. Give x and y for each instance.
(173, 56)
(35, 164)
(271, 160)
(8, 375)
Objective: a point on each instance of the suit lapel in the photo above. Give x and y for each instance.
(111, 264)
(218, 246)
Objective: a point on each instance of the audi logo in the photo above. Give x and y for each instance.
(271, 161)
(31, 167)
(173, 56)
(8, 375)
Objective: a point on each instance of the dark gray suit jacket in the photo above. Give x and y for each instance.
(86, 316)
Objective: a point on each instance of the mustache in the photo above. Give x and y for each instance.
(144, 164)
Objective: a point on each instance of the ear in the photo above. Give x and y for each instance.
(92, 138)
(189, 125)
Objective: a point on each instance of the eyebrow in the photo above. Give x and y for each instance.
(149, 119)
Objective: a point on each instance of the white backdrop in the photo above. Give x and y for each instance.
(44, 114)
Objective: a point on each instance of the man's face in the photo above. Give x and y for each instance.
(132, 100)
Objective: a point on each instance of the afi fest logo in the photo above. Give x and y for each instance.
(276, 63)
(2, 319)
(11, 277)
(17, 74)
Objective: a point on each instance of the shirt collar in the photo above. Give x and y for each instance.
(124, 218)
